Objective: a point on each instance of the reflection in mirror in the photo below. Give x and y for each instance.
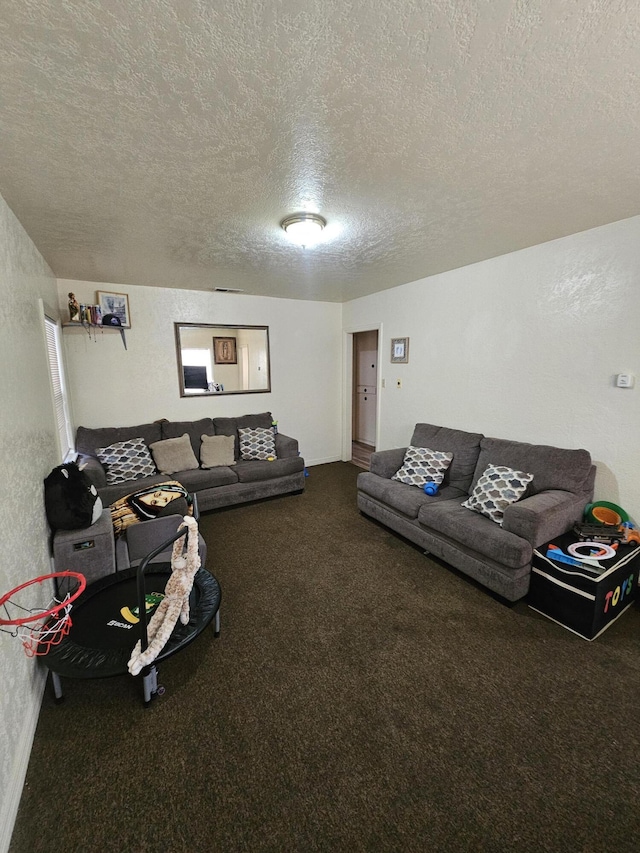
(222, 359)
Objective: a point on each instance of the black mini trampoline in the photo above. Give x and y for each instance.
(106, 626)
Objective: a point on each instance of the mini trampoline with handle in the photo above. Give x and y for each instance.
(112, 615)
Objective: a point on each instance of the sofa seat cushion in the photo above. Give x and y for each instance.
(206, 478)
(465, 447)
(194, 429)
(252, 472)
(552, 467)
(476, 532)
(398, 496)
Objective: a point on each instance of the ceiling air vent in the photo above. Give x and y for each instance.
(227, 290)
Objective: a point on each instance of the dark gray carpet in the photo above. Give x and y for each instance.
(361, 697)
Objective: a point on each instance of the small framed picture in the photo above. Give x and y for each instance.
(115, 303)
(399, 350)
(224, 351)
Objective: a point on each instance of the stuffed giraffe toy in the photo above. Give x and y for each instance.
(175, 604)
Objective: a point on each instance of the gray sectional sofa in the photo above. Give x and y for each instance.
(497, 555)
(216, 487)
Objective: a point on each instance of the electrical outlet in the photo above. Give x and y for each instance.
(398, 383)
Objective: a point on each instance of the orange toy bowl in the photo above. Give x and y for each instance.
(605, 515)
(604, 512)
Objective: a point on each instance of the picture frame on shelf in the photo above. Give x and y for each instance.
(399, 350)
(115, 303)
(225, 351)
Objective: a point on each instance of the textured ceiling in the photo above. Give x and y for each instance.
(161, 143)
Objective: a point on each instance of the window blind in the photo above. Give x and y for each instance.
(58, 384)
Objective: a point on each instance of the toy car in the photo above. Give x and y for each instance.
(607, 533)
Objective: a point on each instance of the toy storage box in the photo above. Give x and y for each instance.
(578, 598)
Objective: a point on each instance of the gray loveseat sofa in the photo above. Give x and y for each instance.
(498, 556)
(216, 487)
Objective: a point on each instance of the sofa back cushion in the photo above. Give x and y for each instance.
(126, 460)
(217, 450)
(87, 440)
(174, 454)
(552, 467)
(263, 420)
(229, 426)
(465, 447)
(256, 444)
(194, 429)
(498, 488)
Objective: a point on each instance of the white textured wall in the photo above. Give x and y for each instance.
(28, 451)
(524, 346)
(113, 387)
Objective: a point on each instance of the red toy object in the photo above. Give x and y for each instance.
(602, 552)
(40, 628)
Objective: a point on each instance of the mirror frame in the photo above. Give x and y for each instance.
(179, 326)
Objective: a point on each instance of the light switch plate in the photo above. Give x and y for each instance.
(625, 380)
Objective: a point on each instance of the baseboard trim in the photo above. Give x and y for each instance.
(13, 791)
(311, 462)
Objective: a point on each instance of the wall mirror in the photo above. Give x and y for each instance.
(222, 359)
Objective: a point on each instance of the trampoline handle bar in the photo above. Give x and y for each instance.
(142, 610)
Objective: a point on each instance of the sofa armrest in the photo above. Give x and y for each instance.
(385, 463)
(544, 516)
(92, 467)
(286, 446)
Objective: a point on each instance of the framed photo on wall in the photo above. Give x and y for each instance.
(224, 351)
(399, 350)
(115, 303)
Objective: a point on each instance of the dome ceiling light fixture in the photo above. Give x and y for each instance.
(304, 228)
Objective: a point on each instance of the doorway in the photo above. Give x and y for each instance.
(364, 397)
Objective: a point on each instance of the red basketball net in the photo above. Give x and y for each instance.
(38, 639)
(39, 628)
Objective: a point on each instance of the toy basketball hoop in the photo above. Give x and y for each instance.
(39, 628)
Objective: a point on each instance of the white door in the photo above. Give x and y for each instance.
(365, 381)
